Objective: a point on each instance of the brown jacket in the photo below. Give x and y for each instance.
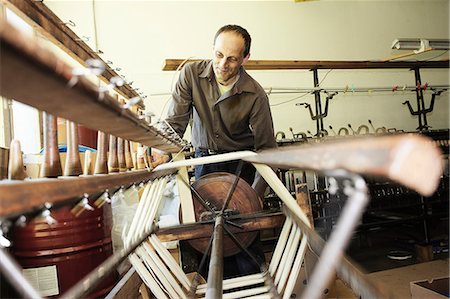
(240, 119)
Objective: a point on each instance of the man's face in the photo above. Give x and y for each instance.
(228, 56)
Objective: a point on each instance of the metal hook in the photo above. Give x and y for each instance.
(85, 203)
(4, 242)
(21, 221)
(71, 23)
(46, 214)
(132, 102)
(93, 66)
(115, 81)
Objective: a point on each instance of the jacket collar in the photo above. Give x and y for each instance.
(244, 84)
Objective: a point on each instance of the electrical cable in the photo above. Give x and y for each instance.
(172, 83)
(293, 99)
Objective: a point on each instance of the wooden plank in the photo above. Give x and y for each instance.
(173, 64)
(409, 159)
(397, 280)
(195, 231)
(58, 31)
(21, 196)
(127, 287)
(26, 63)
(187, 205)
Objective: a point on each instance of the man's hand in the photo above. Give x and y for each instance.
(159, 157)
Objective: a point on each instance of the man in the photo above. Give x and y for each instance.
(230, 112)
(229, 109)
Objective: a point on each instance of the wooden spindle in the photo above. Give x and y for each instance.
(51, 161)
(101, 162)
(16, 169)
(73, 163)
(121, 154)
(87, 162)
(113, 161)
(128, 158)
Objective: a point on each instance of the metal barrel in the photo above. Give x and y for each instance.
(55, 257)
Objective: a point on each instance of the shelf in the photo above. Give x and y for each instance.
(54, 28)
(33, 75)
(173, 64)
(18, 197)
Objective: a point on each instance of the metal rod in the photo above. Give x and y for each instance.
(195, 280)
(332, 252)
(90, 281)
(204, 203)
(13, 272)
(345, 269)
(319, 123)
(420, 101)
(233, 187)
(215, 272)
(236, 241)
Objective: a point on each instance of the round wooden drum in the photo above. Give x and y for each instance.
(214, 188)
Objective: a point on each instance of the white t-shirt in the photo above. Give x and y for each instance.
(224, 88)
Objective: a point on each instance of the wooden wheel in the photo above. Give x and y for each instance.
(213, 188)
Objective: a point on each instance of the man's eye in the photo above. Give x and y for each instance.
(219, 55)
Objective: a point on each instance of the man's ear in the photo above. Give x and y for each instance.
(246, 58)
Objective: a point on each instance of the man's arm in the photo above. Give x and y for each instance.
(264, 136)
(180, 108)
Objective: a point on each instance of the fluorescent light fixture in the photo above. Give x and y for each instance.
(420, 44)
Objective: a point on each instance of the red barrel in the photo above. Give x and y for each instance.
(55, 257)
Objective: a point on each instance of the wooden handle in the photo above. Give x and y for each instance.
(128, 159)
(16, 169)
(121, 154)
(140, 157)
(113, 161)
(101, 162)
(87, 162)
(73, 162)
(51, 164)
(409, 159)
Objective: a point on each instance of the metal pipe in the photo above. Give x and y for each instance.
(13, 273)
(420, 102)
(215, 272)
(195, 281)
(332, 252)
(319, 121)
(233, 187)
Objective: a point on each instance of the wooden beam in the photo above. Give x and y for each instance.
(127, 287)
(18, 197)
(33, 75)
(62, 35)
(199, 230)
(173, 64)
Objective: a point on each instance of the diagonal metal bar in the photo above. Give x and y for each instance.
(332, 252)
(233, 187)
(236, 241)
(204, 203)
(13, 273)
(234, 224)
(268, 281)
(90, 281)
(196, 280)
(215, 273)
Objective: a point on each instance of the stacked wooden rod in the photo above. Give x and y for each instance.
(114, 155)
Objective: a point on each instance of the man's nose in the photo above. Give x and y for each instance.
(223, 62)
